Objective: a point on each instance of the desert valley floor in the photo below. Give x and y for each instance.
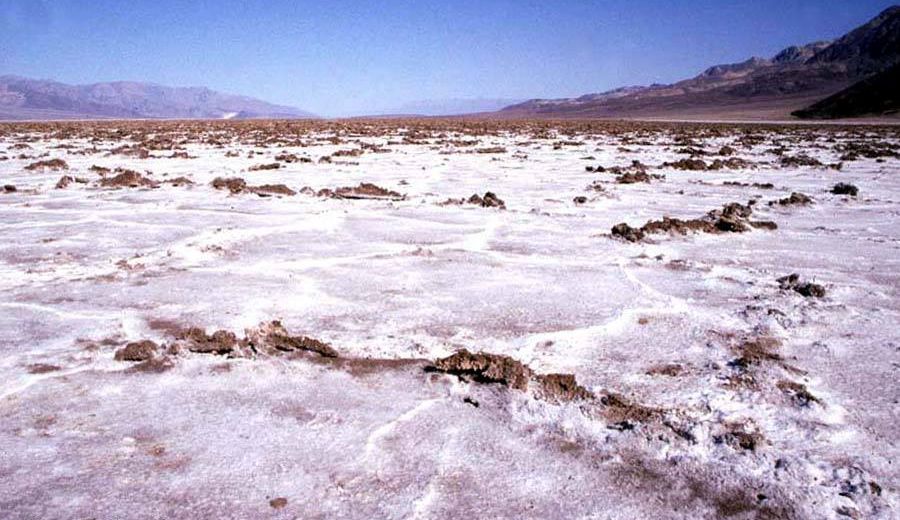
(319, 320)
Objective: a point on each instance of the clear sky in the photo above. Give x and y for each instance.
(343, 57)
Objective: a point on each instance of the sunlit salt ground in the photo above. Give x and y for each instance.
(85, 269)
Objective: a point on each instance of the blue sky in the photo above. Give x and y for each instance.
(343, 57)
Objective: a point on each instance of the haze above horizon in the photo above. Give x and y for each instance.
(353, 58)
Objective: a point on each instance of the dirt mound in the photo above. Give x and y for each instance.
(233, 184)
(489, 200)
(292, 158)
(267, 190)
(273, 335)
(667, 369)
(221, 342)
(486, 368)
(66, 180)
(797, 392)
(843, 188)
(180, 181)
(759, 185)
(732, 163)
(260, 167)
(154, 365)
(628, 233)
(623, 413)
(237, 185)
(137, 351)
(365, 190)
(127, 179)
(799, 160)
(49, 164)
(687, 164)
(495, 368)
(633, 178)
(42, 368)
(562, 387)
(732, 218)
(739, 436)
(278, 503)
(756, 351)
(796, 199)
(792, 282)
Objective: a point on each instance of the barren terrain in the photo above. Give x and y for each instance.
(449, 319)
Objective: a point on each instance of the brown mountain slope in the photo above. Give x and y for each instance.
(875, 95)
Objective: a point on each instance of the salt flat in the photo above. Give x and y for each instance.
(714, 390)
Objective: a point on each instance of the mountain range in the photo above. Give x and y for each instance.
(24, 98)
(854, 75)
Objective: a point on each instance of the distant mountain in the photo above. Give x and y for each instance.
(454, 106)
(758, 88)
(24, 98)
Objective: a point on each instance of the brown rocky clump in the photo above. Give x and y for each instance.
(668, 369)
(731, 218)
(732, 163)
(42, 368)
(755, 352)
(267, 190)
(278, 503)
(623, 413)
(125, 178)
(355, 152)
(9, 188)
(843, 188)
(726, 150)
(628, 233)
(800, 160)
(495, 368)
(153, 365)
(180, 181)
(137, 351)
(759, 185)
(808, 289)
(236, 185)
(687, 164)
(739, 436)
(220, 342)
(798, 392)
(581, 199)
(486, 368)
(49, 164)
(260, 167)
(633, 177)
(273, 335)
(66, 180)
(233, 184)
(365, 190)
(291, 158)
(489, 200)
(796, 199)
(562, 387)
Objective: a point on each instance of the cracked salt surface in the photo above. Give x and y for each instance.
(84, 270)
